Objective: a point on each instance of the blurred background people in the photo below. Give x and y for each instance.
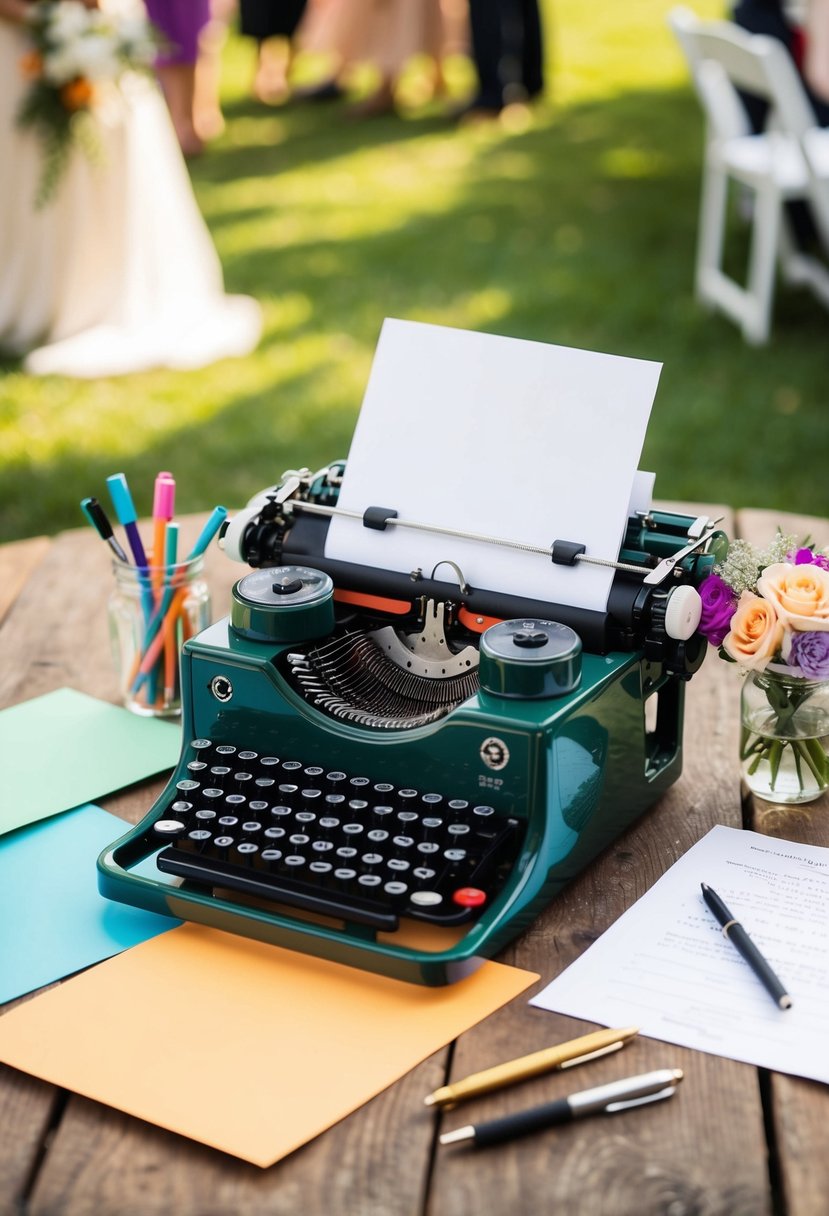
(181, 22)
(117, 272)
(387, 34)
(272, 26)
(508, 53)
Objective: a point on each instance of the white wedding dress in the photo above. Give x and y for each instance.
(117, 273)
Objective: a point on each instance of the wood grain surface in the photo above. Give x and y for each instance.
(733, 1141)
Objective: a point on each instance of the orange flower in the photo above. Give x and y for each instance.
(77, 94)
(755, 634)
(31, 65)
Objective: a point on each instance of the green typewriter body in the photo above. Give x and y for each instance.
(397, 772)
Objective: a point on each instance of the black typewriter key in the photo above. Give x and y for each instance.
(247, 850)
(424, 874)
(483, 812)
(377, 835)
(431, 802)
(219, 774)
(169, 828)
(195, 768)
(310, 797)
(291, 767)
(264, 785)
(458, 829)
(268, 765)
(395, 888)
(369, 880)
(241, 782)
(403, 843)
(251, 828)
(299, 840)
(334, 802)
(329, 823)
(187, 786)
(274, 833)
(358, 784)
(322, 846)
(320, 867)
(222, 844)
(294, 861)
(271, 856)
(344, 874)
(347, 852)
(383, 789)
(205, 817)
(380, 814)
(201, 745)
(458, 804)
(225, 749)
(336, 781)
(305, 817)
(281, 812)
(287, 791)
(199, 837)
(181, 807)
(352, 829)
(455, 855)
(357, 806)
(398, 865)
(233, 801)
(407, 798)
(372, 859)
(432, 823)
(248, 758)
(427, 847)
(227, 822)
(257, 806)
(313, 772)
(211, 794)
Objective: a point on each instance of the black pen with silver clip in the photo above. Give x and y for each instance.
(603, 1100)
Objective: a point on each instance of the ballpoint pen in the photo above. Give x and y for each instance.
(561, 1056)
(603, 1100)
(96, 515)
(736, 934)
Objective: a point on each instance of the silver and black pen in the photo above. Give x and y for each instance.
(736, 934)
(603, 1100)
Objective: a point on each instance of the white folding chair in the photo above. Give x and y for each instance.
(789, 160)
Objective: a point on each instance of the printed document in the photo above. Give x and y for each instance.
(665, 966)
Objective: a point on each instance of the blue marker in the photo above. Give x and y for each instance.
(119, 492)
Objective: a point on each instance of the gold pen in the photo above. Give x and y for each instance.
(563, 1055)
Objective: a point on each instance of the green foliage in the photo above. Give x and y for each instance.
(577, 228)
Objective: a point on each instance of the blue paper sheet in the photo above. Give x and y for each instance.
(53, 922)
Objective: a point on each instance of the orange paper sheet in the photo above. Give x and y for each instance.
(246, 1047)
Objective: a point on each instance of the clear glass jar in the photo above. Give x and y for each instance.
(784, 736)
(152, 612)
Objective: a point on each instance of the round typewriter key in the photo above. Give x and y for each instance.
(483, 812)
(180, 805)
(322, 846)
(248, 757)
(195, 767)
(382, 788)
(257, 805)
(346, 852)
(227, 821)
(205, 816)
(274, 833)
(299, 839)
(432, 822)
(372, 859)
(395, 887)
(287, 791)
(291, 766)
(335, 779)
(212, 793)
(329, 822)
(320, 867)
(247, 848)
(424, 874)
(458, 829)
(311, 796)
(168, 827)
(398, 864)
(201, 745)
(432, 800)
(377, 835)
(458, 804)
(334, 802)
(345, 874)
(270, 855)
(241, 781)
(403, 842)
(187, 786)
(455, 854)
(469, 897)
(251, 827)
(382, 811)
(305, 816)
(219, 771)
(225, 749)
(269, 762)
(236, 800)
(359, 783)
(280, 812)
(200, 835)
(407, 796)
(426, 847)
(352, 829)
(313, 771)
(407, 817)
(263, 784)
(294, 861)
(369, 880)
(223, 842)
(357, 805)
(426, 899)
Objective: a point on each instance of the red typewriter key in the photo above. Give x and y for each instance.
(469, 897)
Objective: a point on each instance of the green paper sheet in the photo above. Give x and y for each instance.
(65, 749)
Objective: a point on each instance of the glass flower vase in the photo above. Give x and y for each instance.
(784, 735)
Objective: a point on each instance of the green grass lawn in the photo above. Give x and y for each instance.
(576, 229)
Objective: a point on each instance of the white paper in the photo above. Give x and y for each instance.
(498, 436)
(665, 966)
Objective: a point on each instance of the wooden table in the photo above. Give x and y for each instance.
(735, 1140)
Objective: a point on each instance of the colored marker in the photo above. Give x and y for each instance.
(125, 510)
(96, 515)
(164, 497)
(170, 649)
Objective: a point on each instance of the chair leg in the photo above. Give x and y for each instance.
(713, 207)
(762, 268)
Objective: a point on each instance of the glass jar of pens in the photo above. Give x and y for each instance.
(153, 610)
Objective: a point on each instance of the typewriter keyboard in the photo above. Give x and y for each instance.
(345, 846)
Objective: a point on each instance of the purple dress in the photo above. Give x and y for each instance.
(180, 22)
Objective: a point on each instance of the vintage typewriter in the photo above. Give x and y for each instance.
(396, 770)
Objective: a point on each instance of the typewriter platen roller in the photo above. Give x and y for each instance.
(397, 770)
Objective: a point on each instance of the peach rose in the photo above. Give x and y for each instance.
(755, 634)
(800, 594)
(77, 94)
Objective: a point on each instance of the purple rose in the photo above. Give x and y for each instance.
(718, 604)
(810, 652)
(807, 557)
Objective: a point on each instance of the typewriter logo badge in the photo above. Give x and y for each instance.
(495, 753)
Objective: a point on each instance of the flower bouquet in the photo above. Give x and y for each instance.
(768, 611)
(77, 54)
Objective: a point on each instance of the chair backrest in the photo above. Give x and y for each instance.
(724, 58)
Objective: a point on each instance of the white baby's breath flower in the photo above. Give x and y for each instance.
(68, 21)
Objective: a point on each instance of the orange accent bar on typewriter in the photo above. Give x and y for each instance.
(376, 602)
(475, 622)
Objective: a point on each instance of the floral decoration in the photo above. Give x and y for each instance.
(78, 53)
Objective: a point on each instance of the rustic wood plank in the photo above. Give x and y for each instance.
(704, 1151)
(26, 1107)
(17, 561)
(799, 1108)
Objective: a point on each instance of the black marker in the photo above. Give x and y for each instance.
(96, 515)
(736, 934)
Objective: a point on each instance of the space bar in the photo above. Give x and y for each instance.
(285, 890)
